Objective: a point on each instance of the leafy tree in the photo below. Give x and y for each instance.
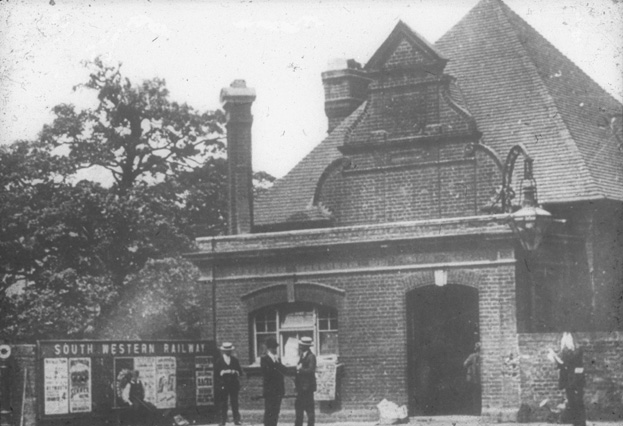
(135, 132)
(149, 145)
(163, 301)
(72, 245)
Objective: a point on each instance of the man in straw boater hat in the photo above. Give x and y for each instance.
(273, 372)
(227, 372)
(305, 383)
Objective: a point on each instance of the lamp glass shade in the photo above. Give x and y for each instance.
(529, 225)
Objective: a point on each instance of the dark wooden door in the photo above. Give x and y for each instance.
(442, 331)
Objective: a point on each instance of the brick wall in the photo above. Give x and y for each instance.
(372, 321)
(603, 363)
(607, 239)
(427, 182)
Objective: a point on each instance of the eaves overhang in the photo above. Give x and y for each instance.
(295, 242)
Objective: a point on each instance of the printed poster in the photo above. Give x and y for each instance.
(326, 381)
(146, 366)
(123, 368)
(204, 380)
(55, 386)
(80, 385)
(165, 382)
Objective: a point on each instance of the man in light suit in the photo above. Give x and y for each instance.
(227, 372)
(305, 383)
(273, 372)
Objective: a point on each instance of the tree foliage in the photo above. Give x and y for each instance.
(68, 247)
(135, 132)
(150, 307)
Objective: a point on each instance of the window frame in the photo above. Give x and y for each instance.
(320, 313)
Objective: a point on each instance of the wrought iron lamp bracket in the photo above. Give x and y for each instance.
(507, 194)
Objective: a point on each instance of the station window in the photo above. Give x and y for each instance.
(288, 323)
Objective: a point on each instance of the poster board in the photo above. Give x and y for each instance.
(86, 378)
(326, 381)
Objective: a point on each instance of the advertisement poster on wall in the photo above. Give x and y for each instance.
(80, 385)
(165, 386)
(326, 376)
(146, 366)
(55, 387)
(123, 368)
(80, 379)
(204, 379)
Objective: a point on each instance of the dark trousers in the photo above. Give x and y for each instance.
(232, 394)
(304, 403)
(137, 415)
(474, 393)
(272, 406)
(576, 413)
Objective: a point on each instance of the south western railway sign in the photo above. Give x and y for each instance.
(160, 348)
(87, 378)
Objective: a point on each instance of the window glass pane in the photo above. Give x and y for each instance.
(298, 319)
(328, 343)
(289, 323)
(266, 321)
(260, 347)
(290, 345)
(327, 319)
(323, 324)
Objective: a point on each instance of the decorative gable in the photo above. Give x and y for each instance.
(410, 99)
(405, 49)
(405, 153)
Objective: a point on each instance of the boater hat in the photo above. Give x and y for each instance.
(306, 341)
(227, 346)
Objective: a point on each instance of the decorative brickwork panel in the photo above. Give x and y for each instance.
(406, 55)
(426, 183)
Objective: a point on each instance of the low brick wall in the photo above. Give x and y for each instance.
(603, 363)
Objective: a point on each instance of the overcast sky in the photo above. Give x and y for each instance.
(279, 47)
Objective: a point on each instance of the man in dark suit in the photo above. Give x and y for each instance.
(133, 394)
(305, 383)
(227, 372)
(273, 372)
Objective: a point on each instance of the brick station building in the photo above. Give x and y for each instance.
(389, 243)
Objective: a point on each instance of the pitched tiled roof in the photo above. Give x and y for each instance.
(520, 89)
(294, 192)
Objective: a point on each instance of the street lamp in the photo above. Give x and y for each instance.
(530, 222)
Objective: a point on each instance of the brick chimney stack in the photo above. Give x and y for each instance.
(345, 88)
(237, 100)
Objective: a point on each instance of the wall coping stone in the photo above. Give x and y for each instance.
(471, 226)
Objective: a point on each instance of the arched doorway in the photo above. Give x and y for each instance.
(442, 327)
